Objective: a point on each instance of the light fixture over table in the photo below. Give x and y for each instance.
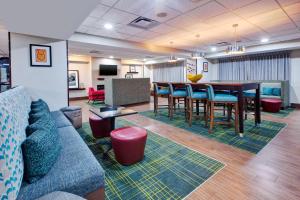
(235, 48)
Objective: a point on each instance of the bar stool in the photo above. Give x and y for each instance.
(178, 93)
(192, 97)
(228, 100)
(160, 92)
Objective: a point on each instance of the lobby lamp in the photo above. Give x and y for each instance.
(236, 48)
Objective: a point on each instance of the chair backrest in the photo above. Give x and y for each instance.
(91, 90)
(155, 87)
(210, 92)
(189, 90)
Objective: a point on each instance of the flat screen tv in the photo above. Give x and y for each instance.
(108, 70)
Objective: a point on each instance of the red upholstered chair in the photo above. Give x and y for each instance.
(96, 95)
(129, 144)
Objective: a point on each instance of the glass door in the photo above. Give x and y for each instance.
(4, 74)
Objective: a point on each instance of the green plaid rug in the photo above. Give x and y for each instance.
(255, 138)
(281, 114)
(168, 171)
(97, 104)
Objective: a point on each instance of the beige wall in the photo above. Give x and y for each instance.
(83, 65)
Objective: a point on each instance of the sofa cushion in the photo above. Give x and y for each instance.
(60, 196)
(60, 119)
(40, 151)
(269, 97)
(76, 170)
(267, 91)
(276, 92)
(14, 109)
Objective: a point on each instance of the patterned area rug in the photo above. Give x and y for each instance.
(97, 104)
(168, 171)
(255, 138)
(281, 114)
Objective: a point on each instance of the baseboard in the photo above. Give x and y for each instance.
(295, 105)
(78, 98)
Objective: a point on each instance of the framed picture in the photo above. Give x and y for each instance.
(191, 66)
(132, 68)
(40, 55)
(73, 79)
(205, 66)
(128, 76)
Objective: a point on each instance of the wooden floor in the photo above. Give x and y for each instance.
(274, 173)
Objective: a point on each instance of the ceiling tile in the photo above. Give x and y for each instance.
(256, 8)
(138, 7)
(147, 34)
(184, 5)
(226, 18)
(183, 21)
(99, 11)
(128, 30)
(234, 4)
(90, 21)
(208, 10)
(117, 16)
(152, 14)
(163, 28)
(288, 2)
(292, 9)
(108, 2)
(268, 18)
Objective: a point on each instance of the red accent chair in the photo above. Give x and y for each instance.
(129, 144)
(96, 95)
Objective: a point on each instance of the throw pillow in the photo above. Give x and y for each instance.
(267, 91)
(276, 91)
(39, 104)
(45, 122)
(40, 151)
(35, 116)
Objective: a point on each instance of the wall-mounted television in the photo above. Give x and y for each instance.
(108, 70)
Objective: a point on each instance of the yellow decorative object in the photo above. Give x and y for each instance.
(194, 78)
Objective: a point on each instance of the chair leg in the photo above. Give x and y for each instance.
(171, 107)
(89, 101)
(236, 118)
(224, 107)
(190, 111)
(206, 114)
(211, 117)
(155, 104)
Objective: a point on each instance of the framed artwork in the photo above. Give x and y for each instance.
(73, 79)
(132, 68)
(128, 76)
(191, 66)
(205, 66)
(40, 55)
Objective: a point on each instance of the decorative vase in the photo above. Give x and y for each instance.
(194, 78)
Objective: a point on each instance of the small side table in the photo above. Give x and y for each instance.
(74, 114)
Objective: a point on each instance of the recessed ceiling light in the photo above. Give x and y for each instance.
(264, 40)
(108, 26)
(162, 14)
(144, 59)
(213, 49)
(111, 57)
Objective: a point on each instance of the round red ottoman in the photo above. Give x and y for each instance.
(271, 105)
(100, 127)
(129, 144)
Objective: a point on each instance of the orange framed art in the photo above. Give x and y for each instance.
(40, 55)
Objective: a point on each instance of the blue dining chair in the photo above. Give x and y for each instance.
(176, 93)
(222, 98)
(249, 102)
(192, 97)
(160, 92)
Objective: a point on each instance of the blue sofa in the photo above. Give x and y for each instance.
(76, 170)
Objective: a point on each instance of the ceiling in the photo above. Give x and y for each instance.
(211, 20)
(3, 41)
(53, 19)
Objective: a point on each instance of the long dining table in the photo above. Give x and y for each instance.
(237, 87)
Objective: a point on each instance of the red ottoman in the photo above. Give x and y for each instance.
(129, 144)
(100, 127)
(271, 105)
